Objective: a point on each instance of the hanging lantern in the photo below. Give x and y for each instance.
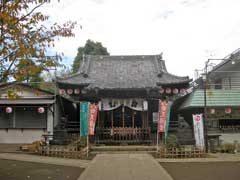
(62, 91)
(182, 91)
(41, 110)
(69, 91)
(212, 111)
(161, 91)
(76, 91)
(175, 91)
(168, 91)
(8, 110)
(228, 110)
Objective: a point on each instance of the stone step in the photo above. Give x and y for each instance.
(127, 148)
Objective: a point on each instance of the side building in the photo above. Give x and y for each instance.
(222, 100)
(26, 113)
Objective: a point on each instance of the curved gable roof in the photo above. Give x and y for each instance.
(122, 72)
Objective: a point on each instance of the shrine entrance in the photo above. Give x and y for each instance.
(123, 124)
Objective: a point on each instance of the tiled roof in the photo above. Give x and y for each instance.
(123, 72)
(215, 98)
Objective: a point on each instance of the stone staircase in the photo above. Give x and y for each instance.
(132, 149)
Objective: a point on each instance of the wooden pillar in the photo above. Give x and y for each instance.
(132, 118)
(144, 119)
(112, 118)
(99, 118)
(123, 120)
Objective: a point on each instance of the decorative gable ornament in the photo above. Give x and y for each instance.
(41, 110)
(228, 110)
(8, 110)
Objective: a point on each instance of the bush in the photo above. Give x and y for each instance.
(227, 148)
(171, 141)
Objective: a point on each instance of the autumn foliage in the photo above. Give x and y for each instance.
(25, 36)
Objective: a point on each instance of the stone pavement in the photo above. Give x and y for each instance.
(217, 157)
(44, 159)
(124, 167)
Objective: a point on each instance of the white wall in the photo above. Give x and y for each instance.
(230, 138)
(18, 136)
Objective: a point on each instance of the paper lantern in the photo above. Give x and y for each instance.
(69, 91)
(8, 110)
(62, 91)
(168, 91)
(212, 111)
(76, 91)
(228, 110)
(182, 91)
(175, 91)
(161, 91)
(41, 110)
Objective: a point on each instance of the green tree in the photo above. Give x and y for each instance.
(90, 48)
(25, 35)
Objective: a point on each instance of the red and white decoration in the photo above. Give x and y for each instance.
(163, 112)
(228, 110)
(69, 91)
(92, 118)
(198, 130)
(161, 91)
(41, 110)
(76, 91)
(8, 110)
(175, 91)
(168, 90)
(182, 91)
(62, 91)
(212, 111)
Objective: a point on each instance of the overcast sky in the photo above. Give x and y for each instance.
(188, 32)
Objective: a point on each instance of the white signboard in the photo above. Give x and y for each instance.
(198, 130)
(155, 117)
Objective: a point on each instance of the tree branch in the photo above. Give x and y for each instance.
(28, 14)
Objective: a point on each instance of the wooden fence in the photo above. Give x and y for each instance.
(123, 134)
(181, 153)
(64, 152)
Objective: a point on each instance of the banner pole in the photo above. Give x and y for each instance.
(87, 146)
(157, 141)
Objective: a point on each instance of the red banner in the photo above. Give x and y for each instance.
(163, 113)
(92, 118)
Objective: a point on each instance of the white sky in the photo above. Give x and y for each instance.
(186, 31)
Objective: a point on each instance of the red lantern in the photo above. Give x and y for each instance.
(161, 91)
(175, 91)
(69, 91)
(8, 110)
(182, 91)
(41, 110)
(212, 111)
(76, 91)
(228, 110)
(168, 91)
(62, 91)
